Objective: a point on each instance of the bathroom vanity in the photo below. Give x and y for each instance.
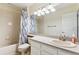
(42, 45)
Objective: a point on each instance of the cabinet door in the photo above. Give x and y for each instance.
(64, 52)
(34, 44)
(44, 53)
(49, 49)
(35, 47)
(35, 51)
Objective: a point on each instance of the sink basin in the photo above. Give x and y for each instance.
(63, 43)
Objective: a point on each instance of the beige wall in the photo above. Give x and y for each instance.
(55, 18)
(9, 34)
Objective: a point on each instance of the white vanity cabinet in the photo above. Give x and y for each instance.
(48, 49)
(35, 51)
(40, 48)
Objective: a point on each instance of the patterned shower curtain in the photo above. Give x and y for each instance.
(33, 24)
(27, 25)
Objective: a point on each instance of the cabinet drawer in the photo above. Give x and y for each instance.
(35, 51)
(44, 53)
(35, 44)
(49, 49)
(64, 52)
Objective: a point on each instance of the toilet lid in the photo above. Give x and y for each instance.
(24, 45)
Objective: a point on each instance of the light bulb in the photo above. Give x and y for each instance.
(38, 14)
(53, 9)
(44, 9)
(42, 13)
(47, 11)
(35, 13)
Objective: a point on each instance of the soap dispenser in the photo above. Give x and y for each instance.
(73, 38)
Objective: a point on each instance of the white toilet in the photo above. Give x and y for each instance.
(23, 47)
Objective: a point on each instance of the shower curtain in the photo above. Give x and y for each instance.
(33, 24)
(27, 25)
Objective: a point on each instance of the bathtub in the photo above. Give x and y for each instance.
(8, 50)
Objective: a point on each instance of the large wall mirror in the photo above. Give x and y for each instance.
(65, 19)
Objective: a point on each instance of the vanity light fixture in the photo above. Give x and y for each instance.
(45, 10)
(51, 8)
(40, 12)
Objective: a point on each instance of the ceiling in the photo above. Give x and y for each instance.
(22, 5)
(36, 6)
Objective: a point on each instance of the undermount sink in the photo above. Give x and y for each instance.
(64, 43)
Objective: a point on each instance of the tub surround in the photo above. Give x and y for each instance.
(48, 41)
(8, 50)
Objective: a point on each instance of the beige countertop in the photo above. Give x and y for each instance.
(36, 34)
(48, 40)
